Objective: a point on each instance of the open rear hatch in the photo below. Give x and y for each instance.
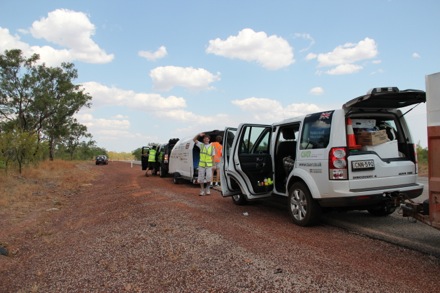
(387, 98)
(382, 161)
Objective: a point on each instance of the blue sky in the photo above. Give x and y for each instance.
(163, 69)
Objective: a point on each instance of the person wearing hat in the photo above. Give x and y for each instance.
(206, 162)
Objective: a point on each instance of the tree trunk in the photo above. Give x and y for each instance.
(51, 150)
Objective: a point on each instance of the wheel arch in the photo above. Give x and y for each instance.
(236, 181)
(301, 175)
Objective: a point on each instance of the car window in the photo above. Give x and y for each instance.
(255, 140)
(373, 122)
(316, 130)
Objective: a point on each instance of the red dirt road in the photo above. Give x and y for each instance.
(129, 233)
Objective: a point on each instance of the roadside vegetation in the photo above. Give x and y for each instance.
(422, 156)
(37, 107)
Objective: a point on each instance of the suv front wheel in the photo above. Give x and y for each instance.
(305, 211)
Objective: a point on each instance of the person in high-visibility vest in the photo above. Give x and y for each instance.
(206, 162)
(217, 144)
(151, 160)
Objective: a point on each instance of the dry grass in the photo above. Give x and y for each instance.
(43, 186)
(423, 169)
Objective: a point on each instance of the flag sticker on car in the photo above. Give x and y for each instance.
(362, 165)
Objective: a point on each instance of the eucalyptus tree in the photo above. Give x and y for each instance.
(37, 99)
(75, 138)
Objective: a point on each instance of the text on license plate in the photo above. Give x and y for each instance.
(362, 165)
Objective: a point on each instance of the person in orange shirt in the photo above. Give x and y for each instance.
(217, 158)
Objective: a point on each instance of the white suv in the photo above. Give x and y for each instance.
(359, 157)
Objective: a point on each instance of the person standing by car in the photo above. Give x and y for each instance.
(151, 161)
(217, 144)
(206, 162)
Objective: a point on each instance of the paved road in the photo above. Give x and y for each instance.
(394, 229)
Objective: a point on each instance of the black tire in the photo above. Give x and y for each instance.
(382, 211)
(163, 172)
(176, 178)
(239, 199)
(303, 209)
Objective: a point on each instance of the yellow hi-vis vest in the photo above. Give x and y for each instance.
(205, 156)
(152, 155)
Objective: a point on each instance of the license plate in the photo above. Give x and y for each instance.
(362, 165)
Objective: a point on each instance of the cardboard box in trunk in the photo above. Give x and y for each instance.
(372, 138)
(385, 150)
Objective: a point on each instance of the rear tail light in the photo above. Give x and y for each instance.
(165, 158)
(337, 163)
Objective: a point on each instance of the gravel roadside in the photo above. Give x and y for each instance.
(129, 233)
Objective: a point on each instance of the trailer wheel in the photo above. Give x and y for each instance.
(239, 199)
(176, 178)
(304, 210)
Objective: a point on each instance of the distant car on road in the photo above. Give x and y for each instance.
(101, 160)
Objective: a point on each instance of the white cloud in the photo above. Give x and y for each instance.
(116, 128)
(167, 108)
(72, 30)
(65, 28)
(271, 52)
(167, 77)
(8, 41)
(344, 69)
(416, 55)
(120, 116)
(48, 55)
(349, 53)
(153, 56)
(343, 58)
(379, 71)
(149, 102)
(311, 56)
(110, 131)
(306, 37)
(295, 110)
(269, 111)
(102, 124)
(113, 123)
(317, 91)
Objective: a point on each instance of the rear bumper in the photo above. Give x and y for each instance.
(371, 199)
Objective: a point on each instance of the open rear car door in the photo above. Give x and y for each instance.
(247, 161)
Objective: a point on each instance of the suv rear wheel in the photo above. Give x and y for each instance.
(305, 211)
